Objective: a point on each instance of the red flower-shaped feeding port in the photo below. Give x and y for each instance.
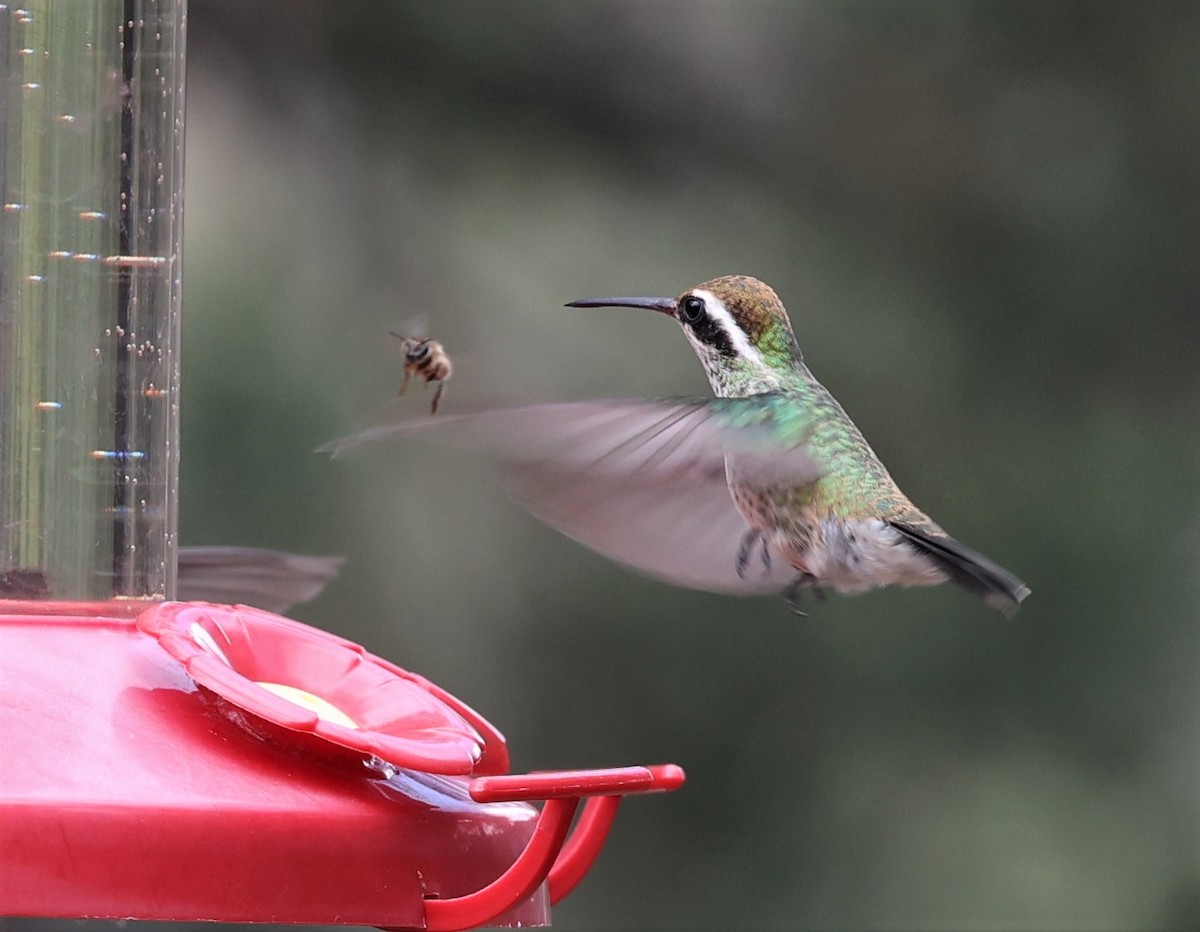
(298, 683)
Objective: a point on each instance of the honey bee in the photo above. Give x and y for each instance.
(428, 359)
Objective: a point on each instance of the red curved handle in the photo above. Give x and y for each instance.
(546, 857)
(580, 852)
(515, 884)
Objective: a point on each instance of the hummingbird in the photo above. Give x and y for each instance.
(768, 488)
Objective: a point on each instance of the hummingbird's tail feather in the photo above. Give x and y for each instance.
(968, 568)
(267, 579)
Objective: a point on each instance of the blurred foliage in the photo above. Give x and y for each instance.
(982, 218)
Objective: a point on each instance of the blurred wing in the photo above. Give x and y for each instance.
(641, 482)
(679, 438)
(686, 533)
(268, 579)
(415, 328)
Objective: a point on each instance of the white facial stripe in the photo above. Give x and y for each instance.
(737, 336)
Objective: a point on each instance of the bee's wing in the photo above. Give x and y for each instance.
(415, 328)
(268, 579)
(642, 482)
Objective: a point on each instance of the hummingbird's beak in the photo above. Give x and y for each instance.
(662, 305)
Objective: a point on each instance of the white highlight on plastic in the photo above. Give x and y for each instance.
(201, 636)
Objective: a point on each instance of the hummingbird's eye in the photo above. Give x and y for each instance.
(691, 310)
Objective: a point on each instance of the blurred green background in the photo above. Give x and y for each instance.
(983, 220)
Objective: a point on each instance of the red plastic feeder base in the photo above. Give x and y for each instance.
(208, 762)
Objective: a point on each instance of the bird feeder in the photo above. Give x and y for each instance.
(189, 760)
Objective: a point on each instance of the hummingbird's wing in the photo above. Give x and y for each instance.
(267, 579)
(688, 533)
(642, 482)
(672, 437)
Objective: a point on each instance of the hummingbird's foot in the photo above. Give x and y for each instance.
(791, 595)
(749, 539)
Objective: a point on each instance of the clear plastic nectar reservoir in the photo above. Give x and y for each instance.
(91, 182)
